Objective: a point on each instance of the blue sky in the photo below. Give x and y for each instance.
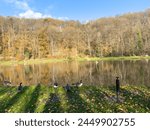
(81, 10)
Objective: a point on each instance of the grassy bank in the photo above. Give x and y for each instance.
(31, 61)
(83, 99)
(114, 58)
(41, 61)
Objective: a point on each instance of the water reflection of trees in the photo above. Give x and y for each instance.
(92, 73)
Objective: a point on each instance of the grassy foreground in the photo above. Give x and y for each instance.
(41, 61)
(91, 99)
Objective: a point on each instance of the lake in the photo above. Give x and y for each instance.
(131, 72)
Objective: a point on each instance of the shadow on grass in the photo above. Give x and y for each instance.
(134, 101)
(4, 107)
(76, 103)
(5, 90)
(53, 104)
(138, 102)
(100, 100)
(31, 105)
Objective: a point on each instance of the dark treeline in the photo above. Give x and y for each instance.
(125, 35)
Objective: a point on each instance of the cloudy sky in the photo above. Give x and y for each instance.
(81, 10)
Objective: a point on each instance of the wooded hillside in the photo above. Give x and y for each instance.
(124, 35)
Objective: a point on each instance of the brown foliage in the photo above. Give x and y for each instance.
(47, 38)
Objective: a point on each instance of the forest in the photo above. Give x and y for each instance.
(122, 35)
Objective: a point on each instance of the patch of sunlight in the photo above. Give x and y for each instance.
(21, 100)
(63, 100)
(43, 97)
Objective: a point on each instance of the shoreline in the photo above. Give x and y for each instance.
(53, 60)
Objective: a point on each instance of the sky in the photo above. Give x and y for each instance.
(82, 10)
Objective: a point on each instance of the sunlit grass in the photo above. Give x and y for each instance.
(46, 60)
(35, 99)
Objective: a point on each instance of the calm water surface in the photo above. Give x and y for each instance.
(92, 73)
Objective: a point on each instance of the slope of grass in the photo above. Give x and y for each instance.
(43, 99)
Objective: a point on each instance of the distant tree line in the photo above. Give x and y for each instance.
(125, 35)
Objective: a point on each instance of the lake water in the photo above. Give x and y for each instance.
(92, 73)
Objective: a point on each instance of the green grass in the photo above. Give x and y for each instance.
(31, 61)
(41, 61)
(91, 99)
(114, 58)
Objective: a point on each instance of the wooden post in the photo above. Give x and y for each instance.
(117, 88)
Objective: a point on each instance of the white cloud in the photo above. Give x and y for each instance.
(63, 18)
(23, 5)
(86, 22)
(28, 12)
(37, 15)
(31, 14)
